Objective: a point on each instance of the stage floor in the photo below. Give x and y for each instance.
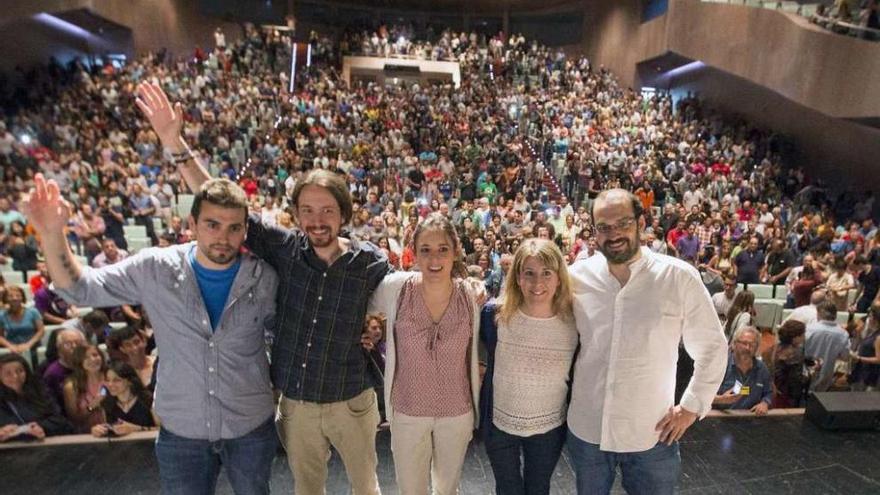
(719, 456)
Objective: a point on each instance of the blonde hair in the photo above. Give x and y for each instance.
(551, 257)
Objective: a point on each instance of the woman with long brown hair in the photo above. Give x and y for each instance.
(432, 376)
(84, 389)
(741, 313)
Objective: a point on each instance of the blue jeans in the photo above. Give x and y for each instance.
(191, 467)
(654, 471)
(540, 454)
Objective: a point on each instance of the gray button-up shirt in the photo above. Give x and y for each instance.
(211, 385)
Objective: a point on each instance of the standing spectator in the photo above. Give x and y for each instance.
(790, 376)
(688, 245)
(866, 372)
(749, 263)
(724, 300)
(143, 208)
(741, 313)
(839, 283)
(827, 341)
(780, 261)
(869, 280)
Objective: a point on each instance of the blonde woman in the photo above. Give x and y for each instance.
(431, 371)
(531, 339)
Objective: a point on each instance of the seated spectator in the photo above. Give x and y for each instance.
(66, 342)
(839, 284)
(741, 313)
(95, 325)
(789, 375)
(84, 389)
(52, 307)
(22, 327)
(724, 300)
(807, 314)
(128, 405)
(866, 371)
(22, 248)
(130, 345)
(828, 342)
(27, 412)
(41, 279)
(109, 254)
(746, 383)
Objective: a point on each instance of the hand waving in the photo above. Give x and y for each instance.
(166, 120)
(45, 209)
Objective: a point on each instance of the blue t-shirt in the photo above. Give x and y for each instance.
(18, 332)
(214, 286)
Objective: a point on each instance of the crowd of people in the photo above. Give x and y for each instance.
(463, 178)
(864, 14)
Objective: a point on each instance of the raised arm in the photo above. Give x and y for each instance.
(49, 213)
(109, 286)
(167, 120)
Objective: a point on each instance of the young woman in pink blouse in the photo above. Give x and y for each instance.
(431, 370)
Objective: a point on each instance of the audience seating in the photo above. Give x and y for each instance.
(13, 278)
(132, 231)
(780, 292)
(761, 291)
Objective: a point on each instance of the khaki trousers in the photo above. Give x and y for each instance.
(308, 429)
(431, 451)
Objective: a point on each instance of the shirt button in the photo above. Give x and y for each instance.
(325, 274)
(315, 320)
(210, 392)
(208, 424)
(320, 298)
(210, 344)
(304, 365)
(210, 369)
(176, 285)
(204, 322)
(309, 344)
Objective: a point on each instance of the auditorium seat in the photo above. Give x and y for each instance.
(780, 292)
(761, 291)
(13, 278)
(134, 231)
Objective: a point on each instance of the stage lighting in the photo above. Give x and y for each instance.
(25, 139)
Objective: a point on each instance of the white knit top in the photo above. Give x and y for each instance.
(532, 361)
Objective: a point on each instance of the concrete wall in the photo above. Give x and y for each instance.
(833, 74)
(772, 68)
(174, 24)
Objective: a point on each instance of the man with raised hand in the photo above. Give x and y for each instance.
(325, 284)
(208, 304)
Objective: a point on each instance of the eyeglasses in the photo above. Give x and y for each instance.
(622, 224)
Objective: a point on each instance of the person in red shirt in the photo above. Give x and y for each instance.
(39, 280)
(675, 234)
(746, 213)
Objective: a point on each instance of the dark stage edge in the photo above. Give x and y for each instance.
(719, 456)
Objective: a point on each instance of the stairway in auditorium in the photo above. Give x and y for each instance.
(552, 187)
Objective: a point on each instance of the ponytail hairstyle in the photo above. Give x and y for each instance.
(437, 222)
(548, 253)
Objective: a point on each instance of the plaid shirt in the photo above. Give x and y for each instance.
(317, 354)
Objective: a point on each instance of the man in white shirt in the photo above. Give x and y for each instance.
(808, 314)
(724, 300)
(632, 308)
